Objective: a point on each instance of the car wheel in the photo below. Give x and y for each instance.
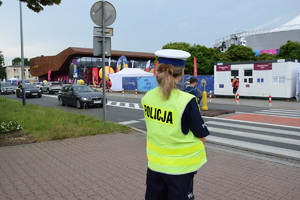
(40, 96)
(61, 103)
(78, 104)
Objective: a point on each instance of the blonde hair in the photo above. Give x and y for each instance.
(165, 77)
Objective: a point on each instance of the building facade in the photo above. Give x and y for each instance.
(15, 71)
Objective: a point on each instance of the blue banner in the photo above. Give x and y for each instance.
(209, 82)
(146, 83)
(129, 83)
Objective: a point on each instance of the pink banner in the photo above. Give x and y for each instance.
(269, 51)
(223, 68)
(49, 75)
(263, 66)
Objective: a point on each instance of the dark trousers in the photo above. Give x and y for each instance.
(169, 187)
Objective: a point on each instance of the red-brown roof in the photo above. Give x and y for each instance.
(60, 63)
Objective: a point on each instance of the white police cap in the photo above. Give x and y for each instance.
(172, 56)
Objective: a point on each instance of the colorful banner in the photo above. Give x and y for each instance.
(146, 83)
(221, 68)
(129, 83)
(148, 66)
(95, 76)
(155, 68)
(263, 66)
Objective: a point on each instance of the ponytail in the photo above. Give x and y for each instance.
(165, 77)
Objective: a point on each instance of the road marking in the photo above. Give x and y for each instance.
(255, 128)
(250, 122)
(256, 147)
(129, 122)
(255, 136)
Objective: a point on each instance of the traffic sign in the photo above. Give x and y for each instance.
(74, 61)
(98, 31)
(109, 13)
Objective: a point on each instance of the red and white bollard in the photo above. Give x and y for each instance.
(110, 91)
(135, 92)
(101, 90)
(270, 100)
(123, 91)
(237, 98)
(210, 96)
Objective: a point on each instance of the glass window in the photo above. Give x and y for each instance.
(250, 80)
(234, 72)
(248, 72)
(245, 80)
(281, 80)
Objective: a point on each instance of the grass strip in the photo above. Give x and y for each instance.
(53, 124)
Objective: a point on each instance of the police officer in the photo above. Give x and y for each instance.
(175, 132)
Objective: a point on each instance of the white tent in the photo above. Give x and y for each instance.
(13, 79)
(116, 78)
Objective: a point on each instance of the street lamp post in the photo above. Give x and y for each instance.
(22, 57)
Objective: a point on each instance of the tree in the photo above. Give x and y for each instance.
(240, 53)
(18, 61)
(37, 5)
(2, 73)
(266, 56)
(289, 50)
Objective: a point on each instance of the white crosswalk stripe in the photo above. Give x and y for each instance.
(280, 112)
(137, 106)
(268, 139)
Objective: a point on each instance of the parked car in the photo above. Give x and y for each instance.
(30, 91)
(51, 87)
(79, 96)
(6, 88)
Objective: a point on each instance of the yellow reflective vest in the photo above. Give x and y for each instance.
(168, 149)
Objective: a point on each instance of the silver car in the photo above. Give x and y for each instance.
(7, 88)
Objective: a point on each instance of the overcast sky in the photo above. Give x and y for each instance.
(140, 25)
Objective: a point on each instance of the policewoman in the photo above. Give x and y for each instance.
(175, 132)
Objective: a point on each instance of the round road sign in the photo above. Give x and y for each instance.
(74, 62)
(109, 13)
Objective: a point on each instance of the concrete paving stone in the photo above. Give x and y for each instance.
(12, 197)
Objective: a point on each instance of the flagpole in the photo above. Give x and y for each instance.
(22, 57)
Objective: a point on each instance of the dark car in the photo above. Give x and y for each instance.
(6, 88)
(79, 96)
(30, 91)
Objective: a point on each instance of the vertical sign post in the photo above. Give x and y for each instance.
(103, 14)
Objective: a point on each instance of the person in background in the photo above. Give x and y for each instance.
(192, 89)
(235, 85)
(176, 132)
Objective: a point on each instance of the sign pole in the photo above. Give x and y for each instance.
(103, 63)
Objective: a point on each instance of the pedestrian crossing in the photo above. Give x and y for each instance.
(282, 141)
(137, 106)
(280, 112)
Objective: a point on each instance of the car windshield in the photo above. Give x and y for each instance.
(56, 83)
(6, 84)
(83, 88)
(30, 86)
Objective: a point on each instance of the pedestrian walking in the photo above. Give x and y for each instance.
(235, 85)
(176, 132)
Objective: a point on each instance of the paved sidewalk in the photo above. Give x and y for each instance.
(114, 166)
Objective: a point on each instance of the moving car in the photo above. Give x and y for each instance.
(79, 96)
(51, 87)
(6, 88)
(30, 91)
